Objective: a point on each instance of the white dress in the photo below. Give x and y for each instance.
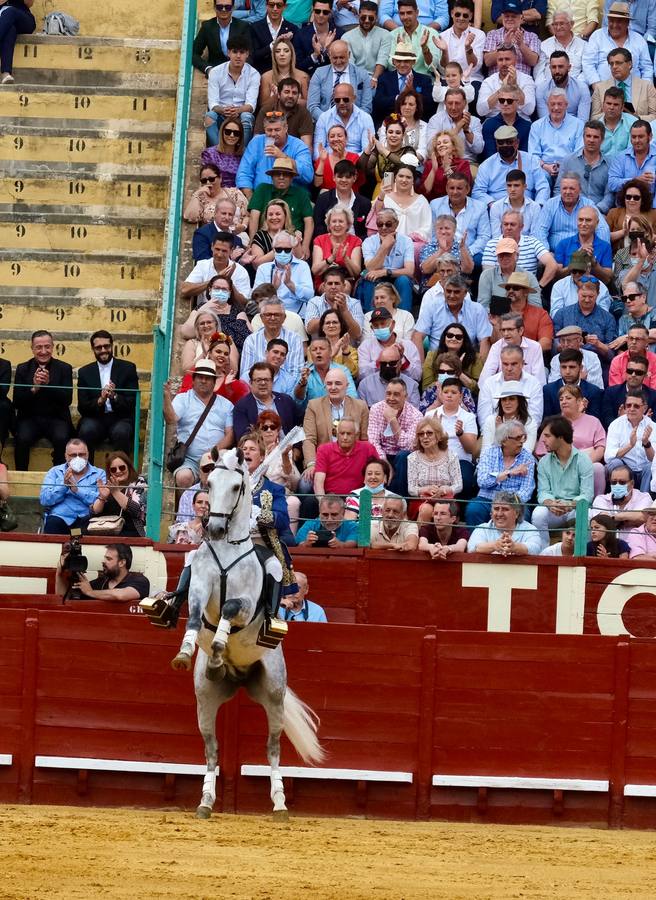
(414, 219)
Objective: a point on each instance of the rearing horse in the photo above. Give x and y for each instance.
(225, 618)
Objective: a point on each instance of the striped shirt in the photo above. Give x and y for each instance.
(531, 250)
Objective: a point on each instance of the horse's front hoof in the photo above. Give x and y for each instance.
(203, 812)
(280, 815)
(181, 662)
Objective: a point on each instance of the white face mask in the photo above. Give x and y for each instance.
(77, 464)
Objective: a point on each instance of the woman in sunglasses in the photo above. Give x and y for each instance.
(227, 154)
(283, 65)
(202, 205)
(455, 339)
(282, 468)
(124, 493)
(639, 230)
(512, 406)
(634, 199)
(445, 365)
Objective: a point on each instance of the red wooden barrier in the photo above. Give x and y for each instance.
(425, 704)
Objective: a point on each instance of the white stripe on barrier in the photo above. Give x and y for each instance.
(494, 781)
(327, 774)
(118, 765)
(6, 759)
(640, 790)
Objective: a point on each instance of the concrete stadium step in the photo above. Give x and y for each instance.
(33, 143)
(93, 269)
(122, 18)
(73, 347)
(105, 185)
(131, 56)
(70, 103)
(75, 79)
(72, 309)
(79, 233)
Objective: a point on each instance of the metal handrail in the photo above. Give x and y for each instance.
(163, 331)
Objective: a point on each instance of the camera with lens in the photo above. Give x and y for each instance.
(74, 563)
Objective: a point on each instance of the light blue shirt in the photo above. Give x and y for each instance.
(473, 219)
(402, 252)
(59, 500)
(490, 182)
(595, 64)
(255, 164)
(301, 277)
(317, 306)
(358, 128)
(530, 212)
(254, 350)
(435, 315)
(552, 143)
(284, 382)
(429, 11)
(643, 17)
(254, 14)
(555, 223)
(624, 167)
(617, 140)
(309, 612)
(579, 100)
(524, 533)
(315, 387)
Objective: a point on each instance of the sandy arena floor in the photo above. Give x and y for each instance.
(60, 852)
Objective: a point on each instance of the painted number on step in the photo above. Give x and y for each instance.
(135, 147)
(19, 186)
(76, 187)
(78, 232)
(77, 145)
(142, 56)
(60, 349)
(60, 314)
(134, 234)
(134, 190)
(122, 350)
(21, 231)
(82, 102)
(30, 51)
(71, 270)
(116, 315)
(139, 103)
(128, 272)
(16, 269)
(23, 100)
(18, 143)
(85, 52)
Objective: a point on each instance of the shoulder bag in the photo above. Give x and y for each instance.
(177, 453)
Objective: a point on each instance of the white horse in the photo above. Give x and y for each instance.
(225, 618)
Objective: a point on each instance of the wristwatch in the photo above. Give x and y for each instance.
(647, 445)
(388, 272)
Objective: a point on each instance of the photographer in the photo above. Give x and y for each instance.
(329, 530)
(115, 583)
(70, 491)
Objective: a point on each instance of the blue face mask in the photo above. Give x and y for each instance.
(283, 257)
(220, 295)
(619, 491)
(382, 334)
(442, 377)
(376, 490)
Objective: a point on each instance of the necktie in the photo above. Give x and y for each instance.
(338, 78)
(624, 88)
(402, 82)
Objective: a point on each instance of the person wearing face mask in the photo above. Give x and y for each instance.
(623, 502)
(384, 335)
(490, 183)
(70, 490)
(375, 477)
(388, 366)
(291, 277)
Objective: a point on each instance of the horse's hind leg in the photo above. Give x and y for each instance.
(268, 689)
(209, 698)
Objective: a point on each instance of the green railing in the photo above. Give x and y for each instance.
(163, 332)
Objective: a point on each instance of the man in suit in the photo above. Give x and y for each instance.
(401, 78)
(43, 392)
(613, 399)
(639, 93)
(323, 414)
(571, 369)
(311, 41)
(6, 406)
(106, 397)
(213, 35)
(262, 397)
(345, 175)
(340, 71)
(267, 30)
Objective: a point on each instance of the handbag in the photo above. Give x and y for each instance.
(8, 519)
(106, 524)
(177, 453)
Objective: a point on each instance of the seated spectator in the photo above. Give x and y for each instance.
(616, 122)
(227, 218)
(556, 72)
(344, 193)
(388, 256)
(511, 33)
(210, 44)
(447, 265)
(516, 201)
(639, 158)
(256, 163)
(268, 497)
(538, 326)
(566, 290)
(506, 74)
(634, 199)
(604, 542)
(290, 276)
(494, 278)
(115, 582)
(629, 440)
(636, 374)
(571, 338)
(335, 297)
(382, 155)
(225, 158)
(415, 30)
(512, 369)
(201, 208)
(643, 538)
(624, 503)
(456, 117)
(311, 384)
(572, 370)
(640, 234)
(296, 198)
(506, 534)
(454, 42)
(509, 99)
(570, 32)
(106, 397)
(639, 93)
(255, 345)
(185, 410)
(445, 155)
(192, 531)
(383, 335)
(433, 319)
(43, 393)
(512, 406)
(386, 295)
(283, 68)
(433, 469)
(70, 491)
(277, 218)
(369, 44)
(565, 474)
(637, 339)
(511, 328)
(297, 608)
(221, 313)
(203, 323)
(291, 104)
(263, 398)
(276, 355)
(563, 547)
(589, 435)
(281, 468)
(402, 75)
(333, 326)
(123, 494)
(330, 530)
(393, 531)
(392, 430)
(329, 156)
(198, 280)
(373, 388)
(409, 105)
(460, 426)
(357, 122)
(585, 239)
(443, 367)
(338, 464)
(505, 465)
(599, 327)
(441, 537)
(472, 220)
(8, 521)
(338, 247)
(326, 78)
(556, 135)
(444, 244)
(312, 41)
(559, 214)
(232, 91)
(16, 19)
(227, 384)
(455, 339)
(185, 506)
(532, 252)
(615, 33)
(414, 215)
(323, 415)
(375, 476)
(267, 31)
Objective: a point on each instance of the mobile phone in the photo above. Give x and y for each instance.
(388, 179)
(323, 536)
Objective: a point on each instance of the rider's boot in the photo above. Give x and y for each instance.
(273, 590)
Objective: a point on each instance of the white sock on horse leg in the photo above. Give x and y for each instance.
(209, 785)
(222, 632)
(190, 638)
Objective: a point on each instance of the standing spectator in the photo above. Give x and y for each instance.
(463, 42)
(369, 44)
(43, 393)
(211, 43)
(106, 397)
(312, 41)
(70, 490)
(629, 440)
(232, 91)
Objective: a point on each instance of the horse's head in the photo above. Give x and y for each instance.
(227, 487)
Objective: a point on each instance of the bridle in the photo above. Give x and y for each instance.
(228, 516)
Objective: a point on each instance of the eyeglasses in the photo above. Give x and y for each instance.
(589, 279)
(232, 132)
(269, 428)
(116, 469)
(632, 197)
(454, 337)
(461, 15)
(342, 99)
(209, 179)
(425, 433)
(628, 298)
(517, 437)
(262, 380)
(386, 224)
(207, 468)
(642, 372)
(620, 481)
(506, 100)
(365, 18)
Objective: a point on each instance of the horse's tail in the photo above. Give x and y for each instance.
(300, 724)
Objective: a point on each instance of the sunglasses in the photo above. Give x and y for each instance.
(636, 371)
(446, 372)
(208, 468)
(632, 197)
(274, 114)
(232, 132)
(210, 179)
(223, 7)
(385, 224)
(628, 298)
(506, 100)
(118, 468)
(102, 346)
(461, 15)
(322, 12)
(589, 279)
(342, 99)
(455, 337)
(269, 428)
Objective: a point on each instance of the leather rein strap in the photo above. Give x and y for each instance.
(223, 573)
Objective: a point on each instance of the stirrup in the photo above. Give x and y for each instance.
(163, 612)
